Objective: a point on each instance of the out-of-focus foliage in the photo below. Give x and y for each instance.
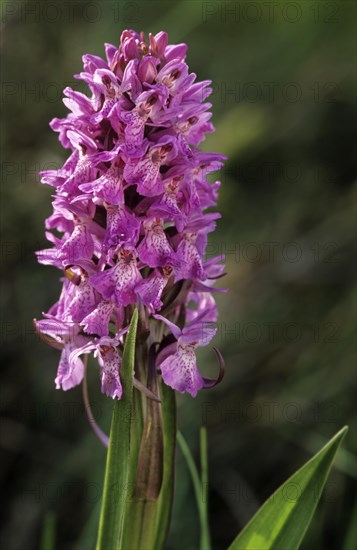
(284, 113)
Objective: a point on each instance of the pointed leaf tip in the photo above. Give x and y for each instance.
(284, 518)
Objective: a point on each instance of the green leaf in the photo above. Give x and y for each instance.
(117, 467)
(284, 518)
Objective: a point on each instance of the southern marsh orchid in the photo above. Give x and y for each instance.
(130, 205)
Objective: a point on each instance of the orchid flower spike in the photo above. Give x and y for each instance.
(130, 226)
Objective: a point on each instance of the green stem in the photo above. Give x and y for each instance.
(147, 520)
(165, 502)
(48, 532)
(205, 535)
(117, 467)
(199, 489)
(140, 460)
(131, 529)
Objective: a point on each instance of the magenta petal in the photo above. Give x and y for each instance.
(155, 250)
(179, 371)
(118, 283)
(108, 187)
(150, 290)
(190, 261)
(70, 370)
(84, 300)
(110, 361)
(97, 322)
(122, 227)
(79, 246)
(145, 174)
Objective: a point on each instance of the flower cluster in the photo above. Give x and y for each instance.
(130, 205)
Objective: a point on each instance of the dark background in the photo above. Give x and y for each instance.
(284, 113)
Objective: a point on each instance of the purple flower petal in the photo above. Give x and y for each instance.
(180, 372)
(80, 245)
(189, 258)
(110, 361)
(97, 322)
(84, 301)
(108, 187)
(118, 283)
(155, 250)
(150, 290)
(70, 370)
(122, 227)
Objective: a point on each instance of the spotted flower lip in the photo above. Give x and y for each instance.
(130, 219)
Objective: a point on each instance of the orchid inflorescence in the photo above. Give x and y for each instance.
(130, 203)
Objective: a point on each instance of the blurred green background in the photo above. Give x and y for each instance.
(283, 105)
